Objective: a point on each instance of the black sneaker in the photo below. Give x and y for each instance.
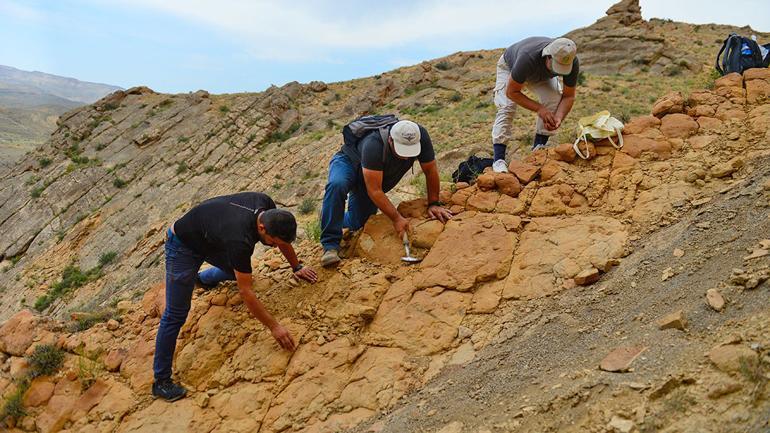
(168, 390)
(202, 285)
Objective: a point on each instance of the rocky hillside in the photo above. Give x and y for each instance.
(639, 261)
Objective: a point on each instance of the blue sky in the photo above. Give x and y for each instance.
(227, 46)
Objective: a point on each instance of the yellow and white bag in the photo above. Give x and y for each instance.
(598, 127)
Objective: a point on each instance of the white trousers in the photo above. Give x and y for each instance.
(548, 92)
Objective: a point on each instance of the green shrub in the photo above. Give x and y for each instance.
(107, 258)
(313, 230)
(443, 65)
(181, 168)
(224, 109)
(37, 191)
(277, 136)
(307, 206)
(72, 278)
(183, 139)
(119, 183)
(456, 97)
(13, 407)
(45, 360)
(44, 162)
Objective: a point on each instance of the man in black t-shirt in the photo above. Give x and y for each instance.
(534, 63)
(223, 232)
(364, 186)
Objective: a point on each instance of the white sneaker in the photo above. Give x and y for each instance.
(500, 166)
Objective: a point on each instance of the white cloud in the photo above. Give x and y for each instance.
(276, 29)
(18, 11)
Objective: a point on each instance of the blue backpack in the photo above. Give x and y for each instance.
(739, 53)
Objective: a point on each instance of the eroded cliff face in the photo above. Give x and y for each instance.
(373, 329)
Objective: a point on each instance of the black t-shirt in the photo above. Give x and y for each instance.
(525, 58)
(224, 229)
(393, 168)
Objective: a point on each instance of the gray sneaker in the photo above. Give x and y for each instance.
(500, 166)
(330, 257)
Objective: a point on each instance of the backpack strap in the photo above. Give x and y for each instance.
(721, 50)
(384, 134)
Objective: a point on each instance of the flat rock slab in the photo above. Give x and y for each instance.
(620, 359)
(729, 357)
(715, 299)
(675, 320)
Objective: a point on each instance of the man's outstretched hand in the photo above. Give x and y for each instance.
(307, 273)
(401, 225)
(549, 119)
(283, 337)
(440, 213)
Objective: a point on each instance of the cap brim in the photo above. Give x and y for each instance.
(561, 68)
(406, 151)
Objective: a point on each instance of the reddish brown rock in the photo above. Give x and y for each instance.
(114, 359)
(40, 390)
(507, 184)
(154, 300)
(460, 198)
(426, 233)
(636, 146)
(486, 181)
(709, 123)
(551, 200)
(525, 172)
(731, 357)
(678, 126)
(732, 79)
(620, 359)
(675, 320)
(715, 299)
(484, 201)
(587, 277)
(417, 208)
(672, 102)
(509, 205)
(89, 399)
(550, 170)
(623, 162)
(638, 125)
(564, 152)
(757, 84)
(18, 332)
(459, 262)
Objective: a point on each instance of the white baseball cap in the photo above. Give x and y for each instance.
(562, 52)
(406, 138)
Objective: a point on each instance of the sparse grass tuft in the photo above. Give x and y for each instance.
(313, 230)
(307, 206)
(181, 168)
(88, 320)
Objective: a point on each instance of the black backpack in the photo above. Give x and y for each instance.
(468, 170)
(354, 131)
(741, 53)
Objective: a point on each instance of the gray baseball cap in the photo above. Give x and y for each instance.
(562, 52)
(406, 138)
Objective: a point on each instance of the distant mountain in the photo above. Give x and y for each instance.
(42, 85)
(30, 103)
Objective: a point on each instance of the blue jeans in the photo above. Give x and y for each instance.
(345, 181)
(213, 276)
(182, 265)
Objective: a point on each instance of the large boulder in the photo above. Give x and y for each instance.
(470, 250)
